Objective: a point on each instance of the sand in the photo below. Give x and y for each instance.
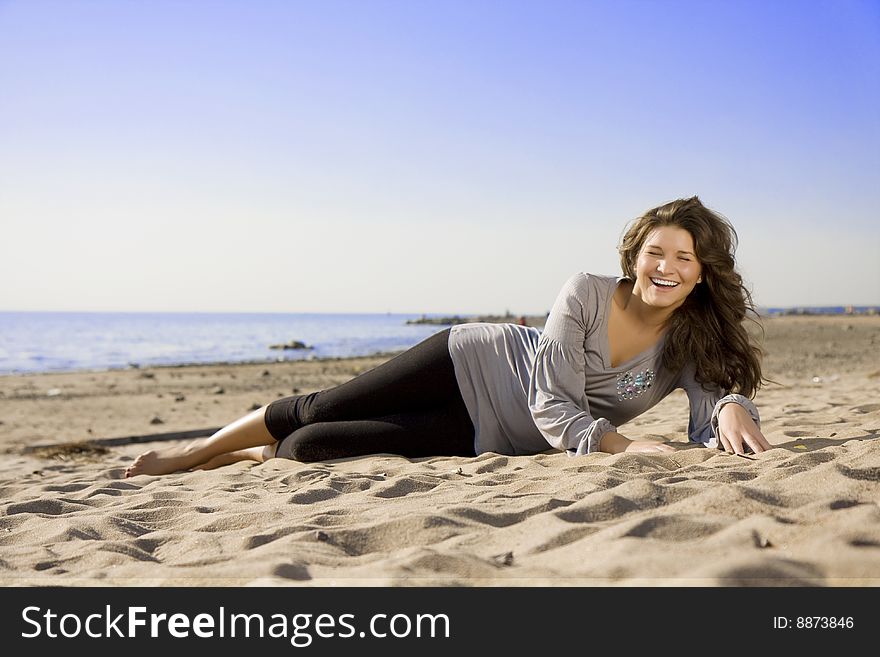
(805, 512)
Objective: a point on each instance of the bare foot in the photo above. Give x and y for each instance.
(164, 461)
(258, 454)
(246, 432)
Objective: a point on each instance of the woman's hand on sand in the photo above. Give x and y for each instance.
(648, 446)
(738, 432)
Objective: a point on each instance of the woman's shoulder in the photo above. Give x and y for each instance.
(584, 280)
(590, 290)
(583, 301)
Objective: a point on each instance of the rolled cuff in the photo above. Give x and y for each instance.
(743, 401)
(590, 442)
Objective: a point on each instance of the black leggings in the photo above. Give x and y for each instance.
(409, 405)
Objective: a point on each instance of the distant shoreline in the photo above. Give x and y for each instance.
(814, 311)
(537, 321)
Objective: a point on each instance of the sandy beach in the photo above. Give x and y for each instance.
(806, 512)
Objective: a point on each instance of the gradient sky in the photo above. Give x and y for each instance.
(425, 156)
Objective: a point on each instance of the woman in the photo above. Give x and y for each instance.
(611, 349)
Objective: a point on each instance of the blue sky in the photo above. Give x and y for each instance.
(425, 156)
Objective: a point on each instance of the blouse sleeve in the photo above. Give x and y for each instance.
(705, 404)
(557, 400)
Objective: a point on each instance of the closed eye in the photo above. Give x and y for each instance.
(657, 254)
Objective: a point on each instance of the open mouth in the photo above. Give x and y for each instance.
(663, 283)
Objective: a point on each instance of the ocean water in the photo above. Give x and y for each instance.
(57, 342)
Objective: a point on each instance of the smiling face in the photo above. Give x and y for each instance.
(667, 269)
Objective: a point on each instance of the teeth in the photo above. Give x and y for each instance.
(659, 281)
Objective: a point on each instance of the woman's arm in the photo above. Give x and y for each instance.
(558, 404)
(728, 421)
(737, 430)
(615, 443)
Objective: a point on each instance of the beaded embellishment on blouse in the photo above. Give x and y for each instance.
(630, 386)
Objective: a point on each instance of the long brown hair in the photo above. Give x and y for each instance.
(708, 327)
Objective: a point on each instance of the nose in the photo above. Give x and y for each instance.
(661, 266)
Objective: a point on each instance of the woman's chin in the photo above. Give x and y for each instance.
(664, 300)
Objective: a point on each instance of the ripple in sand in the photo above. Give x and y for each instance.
(314, 496)
(110, 492)
(353, 484)
(331, 517)
(599, 507)
(229, 522)
(757, 530)
(559, 539)
(149, 545)
(393, 535)
(843, 504)
(630, 463)
(406, 485)
(45, 507)
(492, 464)
(129, 527)
(864, 474)
(814, 422)
(292, 571)
(798, 434)
(306, 476)
(771, 572)
(674, 528)
(127, 549)
(730, 476)
(155, 504)
(259, 540)
(66, 488)
(122, 485)
(766, 497)
(457, 568)
(507, 517)
(156, 518)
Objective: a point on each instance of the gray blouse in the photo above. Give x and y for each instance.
(528, 391)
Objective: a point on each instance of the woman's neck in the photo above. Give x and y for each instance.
(651, 317)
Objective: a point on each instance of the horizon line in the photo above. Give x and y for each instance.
(507, 313)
